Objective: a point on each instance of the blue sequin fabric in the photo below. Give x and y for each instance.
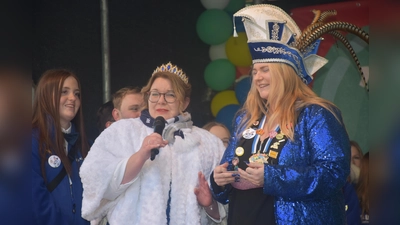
(312, 169)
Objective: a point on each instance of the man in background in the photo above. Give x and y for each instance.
(128, 102)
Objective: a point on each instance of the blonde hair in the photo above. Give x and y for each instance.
(121, 93)
(180, 88)
(287, 95)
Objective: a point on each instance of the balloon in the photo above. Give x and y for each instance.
(226, 116)
(214, 26)
(219, 74)
(238, 51)
(217, 52)
(242, 71)
(214, 4)
(221, 99)
(235, 5)
(242, 88)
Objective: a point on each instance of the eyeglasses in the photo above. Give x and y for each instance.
(154, 96)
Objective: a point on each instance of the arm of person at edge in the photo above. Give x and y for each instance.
(328, 168)
(45, 211)
(137, 160)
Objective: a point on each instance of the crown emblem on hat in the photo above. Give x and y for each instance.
(169, 67)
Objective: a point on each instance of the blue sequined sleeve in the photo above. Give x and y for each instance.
(219, 193)
(316, 164)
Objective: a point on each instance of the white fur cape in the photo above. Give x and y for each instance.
(144, 200)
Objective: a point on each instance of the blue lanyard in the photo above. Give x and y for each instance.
(257, 138)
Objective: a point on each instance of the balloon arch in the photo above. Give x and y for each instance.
(227, 74)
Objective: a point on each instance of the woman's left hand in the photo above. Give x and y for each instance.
(203, 192)
(253, 173)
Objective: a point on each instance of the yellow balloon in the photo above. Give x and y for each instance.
(222, 99)
(237, 50)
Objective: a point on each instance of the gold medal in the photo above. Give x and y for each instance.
(259, 158)
(239, 151)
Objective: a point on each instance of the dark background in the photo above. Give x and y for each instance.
(44, 34)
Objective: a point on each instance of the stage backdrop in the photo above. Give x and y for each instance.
(339, 81)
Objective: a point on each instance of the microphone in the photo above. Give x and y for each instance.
(159, 124)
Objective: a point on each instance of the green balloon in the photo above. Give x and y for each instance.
(234, 6)
(214, 26)
(220, 74)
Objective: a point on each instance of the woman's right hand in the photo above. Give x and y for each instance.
(154, 140)
(222, 176)
(136, 161)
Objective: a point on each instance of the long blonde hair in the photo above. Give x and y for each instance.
(287, 95)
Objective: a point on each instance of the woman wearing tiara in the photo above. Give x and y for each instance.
(125, 183)
(292, 146)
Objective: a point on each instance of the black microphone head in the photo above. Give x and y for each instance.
(159, 124)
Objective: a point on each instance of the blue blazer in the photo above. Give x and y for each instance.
(63, 205)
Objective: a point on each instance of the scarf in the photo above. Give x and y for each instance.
(173, 126)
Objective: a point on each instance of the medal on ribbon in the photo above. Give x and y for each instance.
(259, 158)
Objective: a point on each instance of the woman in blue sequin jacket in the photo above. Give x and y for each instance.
(294, 155)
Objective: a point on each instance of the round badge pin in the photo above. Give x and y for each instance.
(54, 161)
(249, 133)
(279, 136)
(239, 151)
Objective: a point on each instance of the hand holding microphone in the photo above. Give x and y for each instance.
(159, 124)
